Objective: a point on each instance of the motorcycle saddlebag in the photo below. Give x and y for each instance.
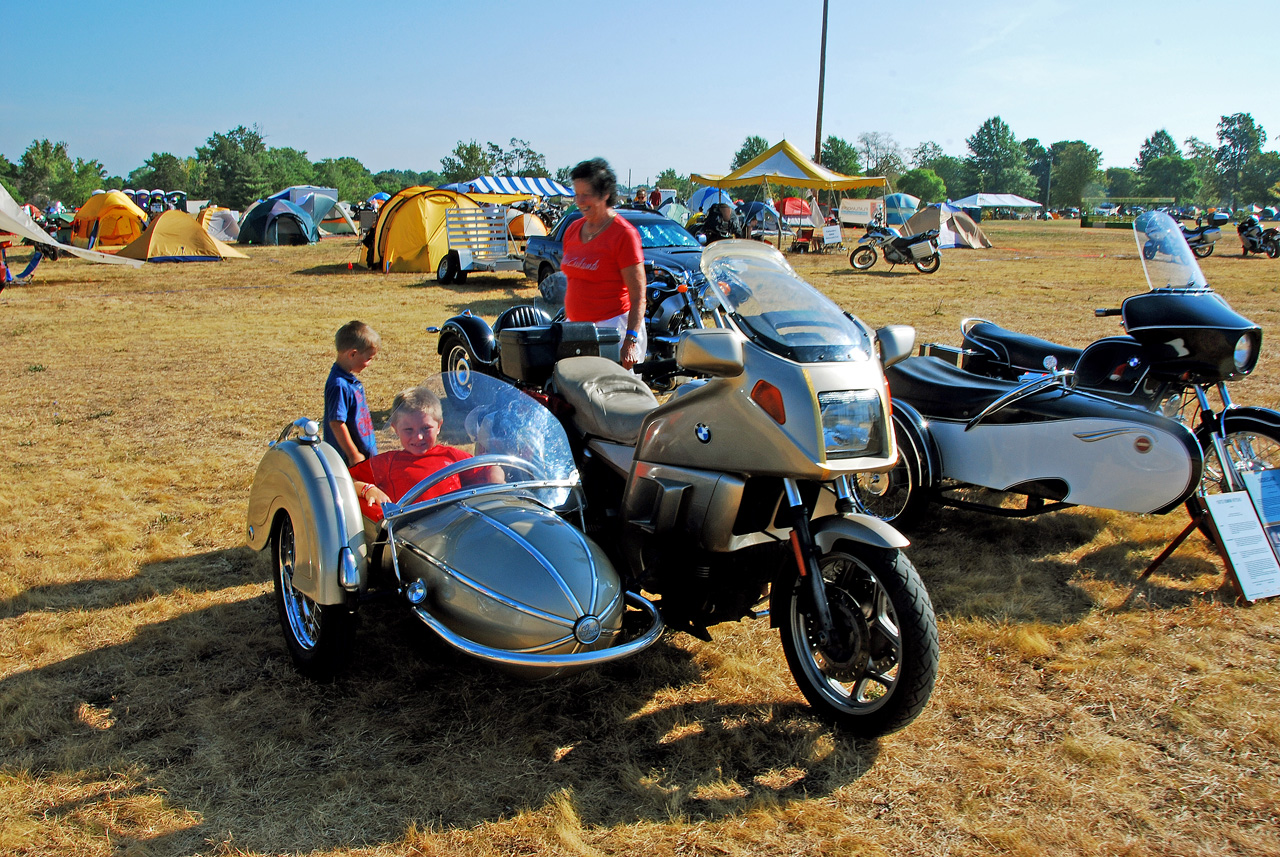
(528, 354)
(1218, 218)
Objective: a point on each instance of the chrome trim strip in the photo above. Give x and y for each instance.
(1107, 434)
(576, 659)
(535, 553)
(394, 511)
(466, 581)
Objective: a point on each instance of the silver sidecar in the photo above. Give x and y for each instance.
(484, 551)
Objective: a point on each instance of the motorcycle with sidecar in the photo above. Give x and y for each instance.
(1126, 423)
(730, 500)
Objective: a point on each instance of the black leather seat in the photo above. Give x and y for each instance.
(937, 388)
(1019, 349)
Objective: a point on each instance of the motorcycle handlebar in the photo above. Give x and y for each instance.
(1103, 312)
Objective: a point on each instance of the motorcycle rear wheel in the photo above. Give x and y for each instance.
(862, 258)
(877, 672)
(1253, 444)
(1273, 249)
(317, 635)
(1202, 251)
(929, 265)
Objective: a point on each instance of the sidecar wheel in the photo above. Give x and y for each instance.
(1203, 251)
(928, 266)
(318, 635)
(877, 672)
(1253, 444)
(862, 258)
(896, 496)
(459, 365)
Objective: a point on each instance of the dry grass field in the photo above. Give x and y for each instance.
(148, 705)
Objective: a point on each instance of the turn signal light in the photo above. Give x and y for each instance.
(769, 398)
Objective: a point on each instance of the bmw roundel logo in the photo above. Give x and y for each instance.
(702, 432)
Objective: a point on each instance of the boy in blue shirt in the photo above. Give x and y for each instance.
(348, 427)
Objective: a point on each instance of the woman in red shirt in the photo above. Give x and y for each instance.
(603, 262)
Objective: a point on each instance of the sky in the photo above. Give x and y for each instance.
(647, 85)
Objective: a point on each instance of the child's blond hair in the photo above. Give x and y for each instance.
(416, 400)
(356, 335)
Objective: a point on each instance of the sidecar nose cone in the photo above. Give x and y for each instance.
(587, 630)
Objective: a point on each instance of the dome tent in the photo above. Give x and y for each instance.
(176, 236)
(955, 228)
(278, 222)
(109, 221)
(410, 233)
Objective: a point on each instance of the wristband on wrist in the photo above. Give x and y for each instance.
(631, 334)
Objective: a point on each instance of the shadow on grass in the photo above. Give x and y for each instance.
(206, 709)
(898, 271)
(337, 268)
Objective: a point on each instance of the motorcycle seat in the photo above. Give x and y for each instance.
(939, 389)
(1018, 349)
(608, 401)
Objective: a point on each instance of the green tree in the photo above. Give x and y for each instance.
(923, 155)
(394, 181)
(1172, 176)
(1121, 182)
(9, 177)
(163, 170)
(467, 161)
(669, 178)
(518, 160)
(285, 167)
(923, 183)
(352, 179)
(840, 156)
(1158, 145)
(1240, 139)
(43, 166)
(1075, 169)
(1039, 164)
(232, 167)
(955, 174)
(1201, 156)
(751, 147)
(998, 161)
(1260, 174)
(881, 155)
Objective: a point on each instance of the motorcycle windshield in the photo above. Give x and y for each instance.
(493, 418)
(1166, 259)
(776, 309)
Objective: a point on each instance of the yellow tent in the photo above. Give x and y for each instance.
(783, 164)
(410, 233)
(176, 236)
(117, 218)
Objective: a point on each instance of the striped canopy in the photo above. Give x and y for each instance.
(516, 184)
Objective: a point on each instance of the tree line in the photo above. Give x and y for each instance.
(237, 167)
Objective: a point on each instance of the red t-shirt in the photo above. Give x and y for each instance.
(399, 470)
(596, 290)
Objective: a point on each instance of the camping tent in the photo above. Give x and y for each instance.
(410, 232)
(955, 228)
(704, 197)
(14, 219)
(794, 210)
(785, 165)
(995, 200)
(675, 211)
(338, 221)
(278, 222)
(762, 218)
(110, 220)
(221, 223)
(315, 201)
(176, 236)
(899, 207)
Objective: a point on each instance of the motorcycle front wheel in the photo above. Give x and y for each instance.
(876, 672)
(929, 265)
(862, 258)
(1202, 251)
(1253, 444)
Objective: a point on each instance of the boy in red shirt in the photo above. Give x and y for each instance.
(416, 417)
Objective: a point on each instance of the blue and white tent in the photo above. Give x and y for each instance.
(514, 184)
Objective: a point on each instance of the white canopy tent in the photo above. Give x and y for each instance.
(994, 200)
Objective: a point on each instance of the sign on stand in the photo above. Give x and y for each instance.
(1249, 548)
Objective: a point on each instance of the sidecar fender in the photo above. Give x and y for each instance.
(858, 528)
(476, 332)
(309, 482)
(911, 431)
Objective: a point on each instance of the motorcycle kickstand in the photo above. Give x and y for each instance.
(807, 564)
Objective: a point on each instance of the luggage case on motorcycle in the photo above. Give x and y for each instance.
(528, 354)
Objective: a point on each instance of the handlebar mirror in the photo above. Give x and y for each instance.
(896, 342)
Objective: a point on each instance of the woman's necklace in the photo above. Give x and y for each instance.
(587, 236)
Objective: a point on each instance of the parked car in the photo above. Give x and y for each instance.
(666, 244)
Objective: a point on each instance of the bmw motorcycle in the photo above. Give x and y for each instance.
(1127, 423)
(1255, 239)
(918, 250)
(1205, 235)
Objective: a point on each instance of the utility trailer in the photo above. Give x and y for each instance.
(478, 241)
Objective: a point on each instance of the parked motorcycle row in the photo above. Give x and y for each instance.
(770, 482)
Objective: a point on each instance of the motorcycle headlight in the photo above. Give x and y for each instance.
(852, 423)
(1244, 352)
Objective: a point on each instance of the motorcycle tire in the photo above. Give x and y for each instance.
(862, 258)
(1149, 250)
(1273, 249)
(929, 265)
(896, 496)
(318, 635)
(1202, 251)
(1253, 444)
(458, 362)
(877, 672)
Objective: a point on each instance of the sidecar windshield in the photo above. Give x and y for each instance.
(481, 416)
(776, 309)
(1166, 259)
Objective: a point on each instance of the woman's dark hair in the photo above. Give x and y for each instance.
(598, 173)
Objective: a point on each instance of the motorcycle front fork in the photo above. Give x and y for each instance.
(805, 554)
(1213, 421)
